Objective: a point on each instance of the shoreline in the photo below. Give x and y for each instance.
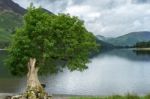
(138, 49)
(142, 49)
(2, 49)
(54, 96)
(66, 96)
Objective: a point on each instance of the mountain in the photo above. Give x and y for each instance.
(103, 44)
(102, 38)
(9, 5)
(129, 39)
(11, 17)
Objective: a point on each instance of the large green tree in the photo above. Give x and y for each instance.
(47, 43)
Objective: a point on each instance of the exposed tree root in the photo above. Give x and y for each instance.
(34, 88)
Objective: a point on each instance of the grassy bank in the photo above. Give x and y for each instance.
(142, 49)
(115, 97)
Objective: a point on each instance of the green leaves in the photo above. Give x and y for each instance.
(54, 40)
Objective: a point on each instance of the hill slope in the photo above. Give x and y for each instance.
(10, 18)
(9, 5)
(8, 22)
(103, 44)
(129, 39)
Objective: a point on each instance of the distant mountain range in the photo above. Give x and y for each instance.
(129, 39)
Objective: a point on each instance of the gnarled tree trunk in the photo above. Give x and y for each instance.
(34, 89)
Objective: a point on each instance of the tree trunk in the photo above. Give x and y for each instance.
(32, 76)
(34, 88)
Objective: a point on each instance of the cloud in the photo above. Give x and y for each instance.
(102, 17)
(83, 12)
(23, 3)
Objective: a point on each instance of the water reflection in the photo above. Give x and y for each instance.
(128, 54)
(142, 52)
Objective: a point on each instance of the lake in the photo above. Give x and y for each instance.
(111, 72)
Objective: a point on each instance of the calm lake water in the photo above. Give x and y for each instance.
(111, 72)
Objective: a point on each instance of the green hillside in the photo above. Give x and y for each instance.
(9, 21)
(129, 39)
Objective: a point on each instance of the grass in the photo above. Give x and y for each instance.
(115, 97)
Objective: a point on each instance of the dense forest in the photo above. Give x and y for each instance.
(142, 44)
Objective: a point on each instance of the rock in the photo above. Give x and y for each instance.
(22, 96)
(43, 85)
(16, 97)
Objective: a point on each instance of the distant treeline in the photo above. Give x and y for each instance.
(142, 44)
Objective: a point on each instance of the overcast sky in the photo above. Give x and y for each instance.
(109, 18)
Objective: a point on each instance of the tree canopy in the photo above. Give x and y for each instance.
(56, 41)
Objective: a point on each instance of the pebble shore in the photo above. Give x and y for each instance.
(7, 95)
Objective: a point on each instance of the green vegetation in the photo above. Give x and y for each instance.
(9, 21)
(142, 45)
(45, 44)
(127, 40)
(115, 97)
